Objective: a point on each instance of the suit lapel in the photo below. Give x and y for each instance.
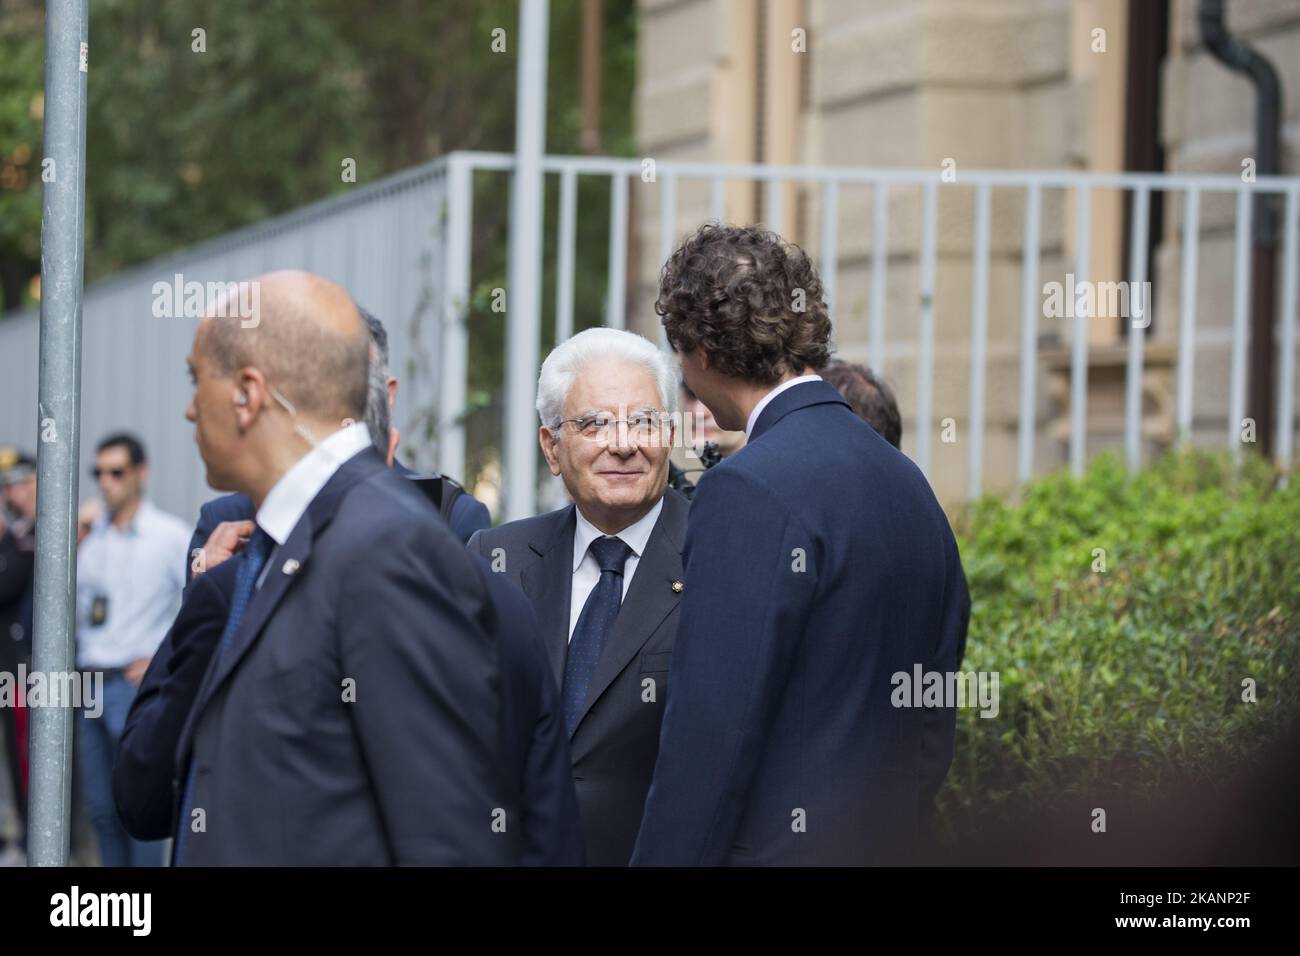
(265, 600)
(650, 599)
(548, 582)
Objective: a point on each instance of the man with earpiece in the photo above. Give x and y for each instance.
(225, 522)
(319, 730)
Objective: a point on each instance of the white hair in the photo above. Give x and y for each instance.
(567, 358)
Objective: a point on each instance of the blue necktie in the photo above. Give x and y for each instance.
(251, 561)
(594, 623)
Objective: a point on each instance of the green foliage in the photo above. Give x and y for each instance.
(1129, 677)
(184, 144)
(21, 110)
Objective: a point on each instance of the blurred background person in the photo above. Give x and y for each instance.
(129, 584)
(870, 398)
(706, 426)
(690, 458)
(604, 574)
(17, 561)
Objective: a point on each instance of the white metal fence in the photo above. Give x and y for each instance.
(403, 248)
(382, 243)
(828, 185)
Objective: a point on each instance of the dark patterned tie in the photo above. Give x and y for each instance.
(594, 624)
(251, 561)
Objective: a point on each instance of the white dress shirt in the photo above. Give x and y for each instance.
(136, 575)
(763, 402)
(287, 501)
(586, 572)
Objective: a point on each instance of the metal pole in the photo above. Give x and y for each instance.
(524, 300)
(458, 239)
(1030, 305)
(925, 348)
(58, 421)
(979, 323)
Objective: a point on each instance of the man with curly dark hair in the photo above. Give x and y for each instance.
(818, 567)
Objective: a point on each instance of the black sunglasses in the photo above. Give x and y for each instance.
(118, 473)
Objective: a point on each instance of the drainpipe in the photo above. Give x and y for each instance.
(1241, 58)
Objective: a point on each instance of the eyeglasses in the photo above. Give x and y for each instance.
(642, 427)
(117, 473)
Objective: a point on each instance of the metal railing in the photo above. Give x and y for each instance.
(403, 247)
(828, 184)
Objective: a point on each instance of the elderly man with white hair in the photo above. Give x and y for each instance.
(605, 573)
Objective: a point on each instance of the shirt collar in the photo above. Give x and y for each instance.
(289, 497)
(766, 399)
(143, 512)
(635, 535)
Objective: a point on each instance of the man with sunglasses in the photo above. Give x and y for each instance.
(604, 574)
(129, 581)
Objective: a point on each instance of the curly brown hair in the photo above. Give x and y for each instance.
(735, 292)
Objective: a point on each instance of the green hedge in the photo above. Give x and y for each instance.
(1130, 677)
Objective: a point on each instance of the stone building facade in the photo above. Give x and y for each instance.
(1094, 85)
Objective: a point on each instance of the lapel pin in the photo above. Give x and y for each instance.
(291, 566)
(677, 587)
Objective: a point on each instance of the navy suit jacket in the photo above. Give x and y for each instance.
(532, 724)
(328, 733)
(614, 744)
(818, 565)
(145, 764)
(534, 745)
(468, 515)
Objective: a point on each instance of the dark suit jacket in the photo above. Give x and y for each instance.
(468, 515)
(614, 745)
(818, 564)
(534, 744)
(145, 764)
(532, 723)
(288, 771)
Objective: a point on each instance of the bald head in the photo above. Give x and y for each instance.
(307, 338)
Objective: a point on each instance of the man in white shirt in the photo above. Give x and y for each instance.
(128, 589)
(604, 574)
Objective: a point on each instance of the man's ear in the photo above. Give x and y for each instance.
(391, 384)
(547, 439)
(251, 396)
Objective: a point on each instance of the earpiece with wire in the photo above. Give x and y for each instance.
(298, 426)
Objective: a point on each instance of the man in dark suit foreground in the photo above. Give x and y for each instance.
(323, 733)
(535, 747)
(818, 565)
(604, 574)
